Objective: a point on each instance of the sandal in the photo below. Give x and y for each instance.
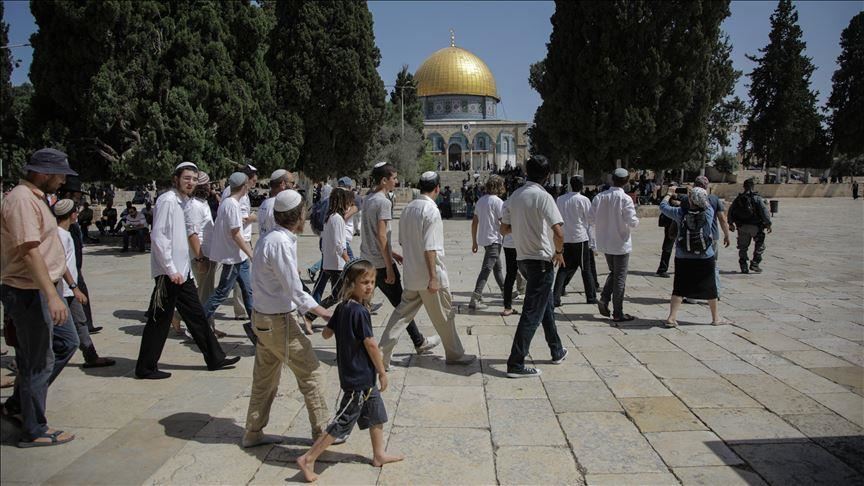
(670, 324)
(509, 312)
(54, 437)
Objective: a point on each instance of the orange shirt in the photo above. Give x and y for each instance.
(25, 217)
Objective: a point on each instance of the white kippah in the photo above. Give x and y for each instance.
(379, 164)
(63, 207)
(183, 165)
(429, 175)
(621, 172)
(278, 174)
(287, 200)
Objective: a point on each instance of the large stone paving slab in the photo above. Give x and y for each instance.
(440, 456)
(536, 465)
(608, 443)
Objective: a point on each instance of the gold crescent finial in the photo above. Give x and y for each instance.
(452, 38)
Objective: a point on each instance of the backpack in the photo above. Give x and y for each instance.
(745, 208)
(319, 216)
(692, 237)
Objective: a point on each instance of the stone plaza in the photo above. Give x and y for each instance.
(776, 398)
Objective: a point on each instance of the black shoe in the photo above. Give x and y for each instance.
(225, 363)
(374, 308)
(94, 330)
(154, 375)
(755, 268)
(662, 274)
(557, 304)
(744, 268)
(591, 301)
(603, 307)
(247, 328)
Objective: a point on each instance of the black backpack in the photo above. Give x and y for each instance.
(692, 237)
(745, 208)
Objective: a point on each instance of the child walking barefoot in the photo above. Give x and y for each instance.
(359, 360)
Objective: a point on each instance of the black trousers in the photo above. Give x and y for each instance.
(166, 296)
(670, 233)
(575, 258)
(393, 292)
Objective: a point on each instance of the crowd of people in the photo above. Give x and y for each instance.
(544, 242)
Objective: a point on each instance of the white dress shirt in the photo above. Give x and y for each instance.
(574, 208)
(275, 282)
(69, 249)
(531, 214)
(169, 248)
(613, 215)
(421, 230)
(488, 211)
(245, 210)
(224, 249)
(199, 221)
(507, 241)
(266, 220)
(333, 240)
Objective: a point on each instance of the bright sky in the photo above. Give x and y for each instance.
(509, 36)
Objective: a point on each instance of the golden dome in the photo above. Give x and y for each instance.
(455, 71)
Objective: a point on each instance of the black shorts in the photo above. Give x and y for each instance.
(364, 408)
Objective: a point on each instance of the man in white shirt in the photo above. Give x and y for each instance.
(248, 218)
(574, 208)
(230, 248)
(280, 180)
(170, 267)
(278, 295)
(613, 216)
(134, 224)
(485, 232)
(375, 246)
(421, 234)
(530, 214)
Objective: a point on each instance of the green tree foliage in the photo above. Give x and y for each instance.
(783, 122)
(413, 109)
(14, 107)
(329, 93)
(627, 79)
(404, 152)
(164, 82)
(847, 93)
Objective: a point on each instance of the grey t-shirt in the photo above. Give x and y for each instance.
(376, 208)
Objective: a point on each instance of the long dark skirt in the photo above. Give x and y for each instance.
(694, 278)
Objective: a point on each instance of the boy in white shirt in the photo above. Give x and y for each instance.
(485, 232)
(574, 208)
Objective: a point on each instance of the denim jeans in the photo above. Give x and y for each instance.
(43, 350)
(316, 267)
(575, 258)
(324, 277)
(537, 309)
(615, 282)
(231, 274)
(491, 264)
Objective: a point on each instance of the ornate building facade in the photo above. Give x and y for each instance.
(460, 109)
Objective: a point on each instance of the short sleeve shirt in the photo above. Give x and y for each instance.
(376, 208)
(351, 324)
(531, 214)
(421, 230)
(25, 217)
(488, 211)
(223, 248)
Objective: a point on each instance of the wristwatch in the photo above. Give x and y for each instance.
(72, 286)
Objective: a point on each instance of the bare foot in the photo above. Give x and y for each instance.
(308, 468)
(385, 459)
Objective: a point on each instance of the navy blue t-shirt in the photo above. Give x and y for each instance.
(351, 324)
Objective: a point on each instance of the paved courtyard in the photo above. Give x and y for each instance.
(776, 398)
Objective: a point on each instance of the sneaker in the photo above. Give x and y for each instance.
(744, 268)
(477, 305)
(524, 372)
(562, 358)
(603, 308)
(374, 307)
(428, 344)
(688, 300)
(465, 359)
(341, 440)
(517, 296)
(755, 268)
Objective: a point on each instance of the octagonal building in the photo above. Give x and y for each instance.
(460, 100)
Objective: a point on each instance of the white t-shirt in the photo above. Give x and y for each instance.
(138, 221)
(199, 221)
(421, 230)
(266, 220)
(507, 241)
(488, 210)
(69, 249)
(333, 242)
(531, 214)
(223, 248)
(574, 208)
(376, 207)
(245, 210)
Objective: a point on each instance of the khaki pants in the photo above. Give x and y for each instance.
(280, 340)
(439, 306)
(205, 279)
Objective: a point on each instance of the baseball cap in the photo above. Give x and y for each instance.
(63, 207)
(49, 161)
(287, 200)
(237, 179)
(345, 182)
(621, 173)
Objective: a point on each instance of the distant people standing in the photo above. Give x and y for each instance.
(530, 214)
(749, 214)
(670, 233)
(613, 215)
(854, 189)
(574, 208)
(485, 232)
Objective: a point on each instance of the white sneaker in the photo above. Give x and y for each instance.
(428, 344)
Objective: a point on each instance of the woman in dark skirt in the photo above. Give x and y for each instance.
(694, 255)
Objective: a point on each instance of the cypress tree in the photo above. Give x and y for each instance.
(847, 93)
(783, 122)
